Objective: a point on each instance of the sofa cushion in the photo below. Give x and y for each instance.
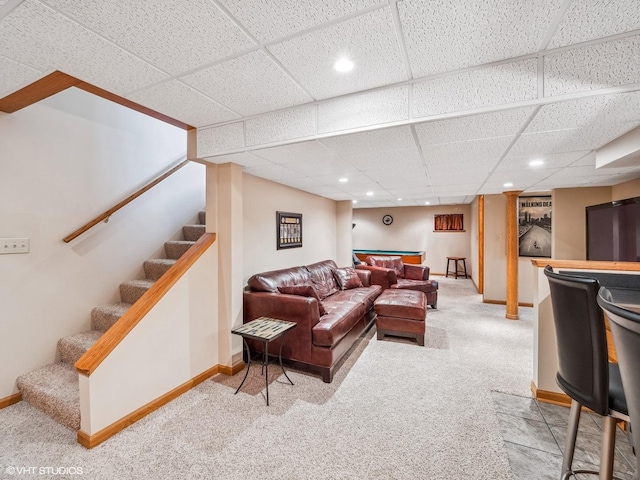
(347, 278)
(366, 295)
(341, 317)
(303, 291)
(321, 276)
(270, 281)
(393, 262)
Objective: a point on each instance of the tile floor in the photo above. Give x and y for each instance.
(534, 435)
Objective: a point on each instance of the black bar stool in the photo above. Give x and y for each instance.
(584, 371)
(625, 328)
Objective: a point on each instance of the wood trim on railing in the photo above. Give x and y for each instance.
(112, 337)
(127, 200)
(58, 81)
(588, 264)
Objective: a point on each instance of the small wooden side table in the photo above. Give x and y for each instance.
(456, 263)
(265, 330)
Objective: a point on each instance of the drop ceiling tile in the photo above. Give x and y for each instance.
(368, 40)
(321, 167)
(484, 87)
(3, 3)
(592, 67)
(382, 106)
(588, 111)
(452, 200)
(478, 152)
(312, 151)
(268, 20)
(183, 103)
(246, 159)
(273, 172)
(551, 160)
(411, 192)
(589, 19)
(220, 139)
(455, 190)
(14, 76)
(249, 84)
(353, 177)
(471, 127)
(448, 177)
(570, 140)
(192, 34)
(445, 36)
(324, 190)
(387, 160)
(42, 38)
(614, 179)
(279, 126)
(519, 179)
(372, 141)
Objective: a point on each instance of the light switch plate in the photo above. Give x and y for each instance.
(14, 245)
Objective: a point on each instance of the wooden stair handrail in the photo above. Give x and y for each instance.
(127, 200)
(100, 350)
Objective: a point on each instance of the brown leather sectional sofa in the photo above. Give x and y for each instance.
(391, 272)
(319, 341)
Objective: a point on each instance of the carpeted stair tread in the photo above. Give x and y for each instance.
(156, 267)
(202, 217)
(104, 316)
(54, 389)
(71, 348)
(132, 290)
(193, 232)
(176, 248)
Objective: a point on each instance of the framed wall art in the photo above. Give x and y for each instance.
(534, 226)
(288, 230)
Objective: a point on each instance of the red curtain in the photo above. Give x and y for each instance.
(449, 222)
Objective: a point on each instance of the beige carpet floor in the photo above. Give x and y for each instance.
(394, 411)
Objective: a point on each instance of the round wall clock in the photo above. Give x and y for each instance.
(387, 219)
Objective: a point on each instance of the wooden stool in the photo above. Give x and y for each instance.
(456, 261)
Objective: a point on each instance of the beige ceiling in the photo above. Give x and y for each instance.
(447, 99)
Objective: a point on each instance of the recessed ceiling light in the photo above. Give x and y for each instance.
(354, 201)
(343, 180)
(399, 199)
(508, 184)
(536, 163)
(369, 194)
(427, 203)
(343, 65)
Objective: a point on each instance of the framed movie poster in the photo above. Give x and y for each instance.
(288, 230)
(534, 226)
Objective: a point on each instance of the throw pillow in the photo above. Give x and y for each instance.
(347, 278)
(303, 291)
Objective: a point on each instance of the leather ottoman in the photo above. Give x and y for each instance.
(401, 313)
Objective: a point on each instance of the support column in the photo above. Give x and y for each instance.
(512, 254)
(227, 182)
(344, 234)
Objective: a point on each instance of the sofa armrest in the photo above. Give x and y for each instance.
(365, 277)
(293, 308)
(416, 272)
(385, 277)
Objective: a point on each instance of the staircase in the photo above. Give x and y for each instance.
(54, 388)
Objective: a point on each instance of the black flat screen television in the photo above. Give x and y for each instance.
(613, 231)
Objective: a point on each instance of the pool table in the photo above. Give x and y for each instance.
(408, 256)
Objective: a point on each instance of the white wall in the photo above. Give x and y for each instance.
(64, 161)
(412, 229)
(261, 200)
(176, 341)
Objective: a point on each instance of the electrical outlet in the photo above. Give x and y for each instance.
(14, 245)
